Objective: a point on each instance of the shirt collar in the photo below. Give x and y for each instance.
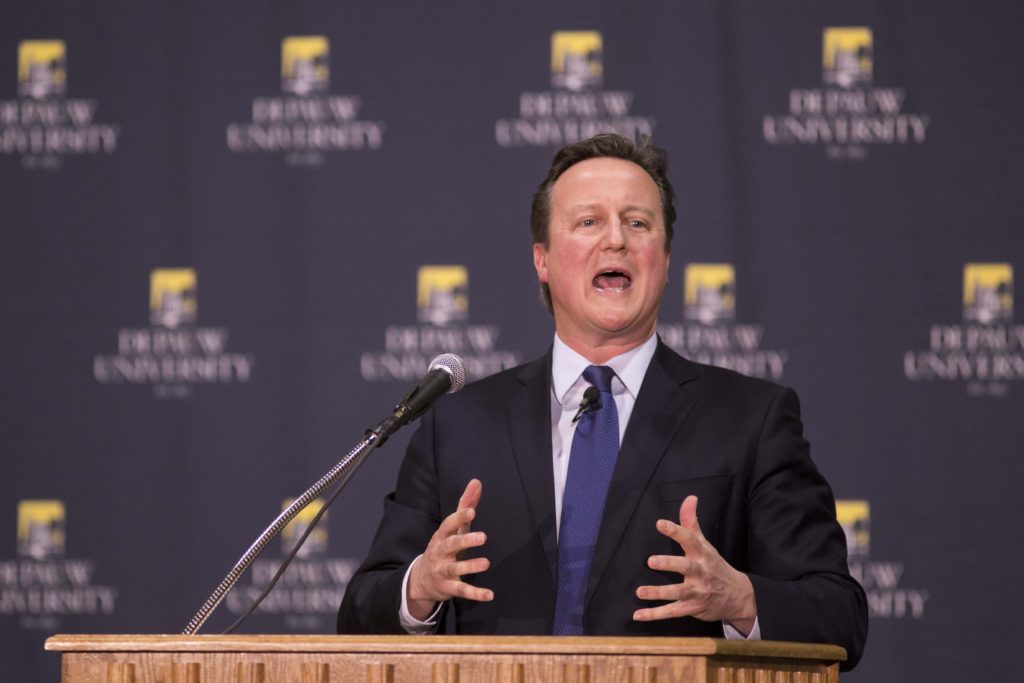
(630, 367)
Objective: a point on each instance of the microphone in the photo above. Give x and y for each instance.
(446, 375)
(591, 401)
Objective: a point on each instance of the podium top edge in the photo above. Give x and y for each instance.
(436, 644)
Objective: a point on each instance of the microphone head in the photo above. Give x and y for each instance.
(592, 396)
(454, 366)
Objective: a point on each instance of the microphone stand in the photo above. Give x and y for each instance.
(341, 472)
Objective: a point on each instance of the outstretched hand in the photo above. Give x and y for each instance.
(710, 589)
(437, 575)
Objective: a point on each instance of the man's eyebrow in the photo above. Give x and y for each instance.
(584, 207)
(631, 207)
(642, 209)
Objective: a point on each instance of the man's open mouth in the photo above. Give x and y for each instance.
(612, 280)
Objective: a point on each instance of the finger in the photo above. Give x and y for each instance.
(469, 499)
(676, 592)
(461, 589)
(688, 516)
(687, 540)
(673, 610)
(457, 522)
(471, 496)
(474, 566)
(455, 544)
(672, 563)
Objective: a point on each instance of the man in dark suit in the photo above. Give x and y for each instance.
(765, 559)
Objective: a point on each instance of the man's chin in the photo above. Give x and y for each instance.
(623, 328)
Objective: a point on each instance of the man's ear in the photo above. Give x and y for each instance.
(540, 261)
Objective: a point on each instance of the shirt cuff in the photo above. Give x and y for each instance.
(411, 624)
(732, 634)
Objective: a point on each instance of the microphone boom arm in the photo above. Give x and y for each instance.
(447, 374)
(340, 472)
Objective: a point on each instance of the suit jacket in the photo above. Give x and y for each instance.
(733, 441)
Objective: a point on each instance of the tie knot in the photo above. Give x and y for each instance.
(600, 376)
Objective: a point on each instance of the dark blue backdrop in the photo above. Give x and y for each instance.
(221, 255)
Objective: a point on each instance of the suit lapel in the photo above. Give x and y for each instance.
(529, 418)
(660, 409)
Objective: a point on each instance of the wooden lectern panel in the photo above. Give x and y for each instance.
(439, 659)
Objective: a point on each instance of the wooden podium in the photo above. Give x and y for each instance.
(439, 659)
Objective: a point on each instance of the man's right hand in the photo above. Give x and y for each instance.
(437, 576)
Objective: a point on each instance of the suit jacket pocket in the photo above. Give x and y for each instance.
(702, 487)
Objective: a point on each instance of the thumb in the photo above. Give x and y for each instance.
(471, 496)
(688, 515)
(470, 499)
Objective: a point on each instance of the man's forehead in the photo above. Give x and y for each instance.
(595, 164)
(603, 178)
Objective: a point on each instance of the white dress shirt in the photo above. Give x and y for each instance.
(567, 387)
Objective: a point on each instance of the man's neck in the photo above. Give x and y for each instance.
(630, 367)
(601, 352)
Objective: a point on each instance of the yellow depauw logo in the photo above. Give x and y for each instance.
(316, 544)
(846, 55)
(42, 69)
(854, 516)
(40, 528)
(988, 292)
(172, 297)
(305, 65)
(442, 294)
(576, 60)
(709, 292)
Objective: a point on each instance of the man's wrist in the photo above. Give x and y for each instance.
(420, 610)
(746, 614)
(418, 622)
(420, 607)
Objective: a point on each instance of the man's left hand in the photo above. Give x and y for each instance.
(711, 590)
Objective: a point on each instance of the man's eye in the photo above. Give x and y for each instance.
(637, 223)
(588, 221)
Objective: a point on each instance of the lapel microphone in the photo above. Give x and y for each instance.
(591, 401)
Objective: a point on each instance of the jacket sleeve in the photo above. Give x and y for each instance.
(796, 549)
(411, 516)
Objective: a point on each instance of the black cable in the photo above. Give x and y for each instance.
(291, 555)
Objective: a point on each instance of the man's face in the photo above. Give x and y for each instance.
(606, 262)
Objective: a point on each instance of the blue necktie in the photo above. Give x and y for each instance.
(595, 447)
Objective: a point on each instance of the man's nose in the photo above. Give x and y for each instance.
(615, 235)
